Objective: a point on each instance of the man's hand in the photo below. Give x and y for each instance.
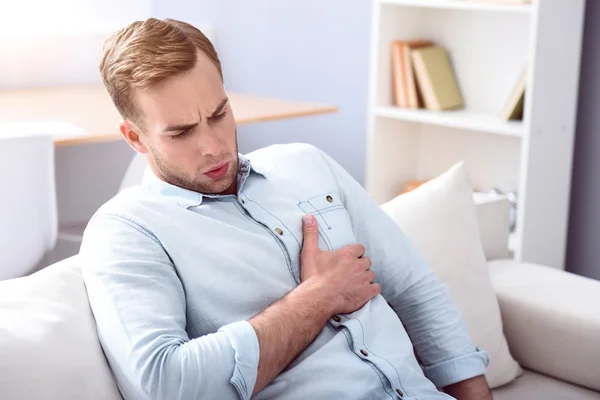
(472, 389)
(332, 282)
(344, 276)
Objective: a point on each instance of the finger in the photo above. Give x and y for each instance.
(366, 262)
(357, 250)
(371, 276)
(310, 230)
(375, 289)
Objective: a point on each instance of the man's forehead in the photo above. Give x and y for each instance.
(165, 110)
(181, 117)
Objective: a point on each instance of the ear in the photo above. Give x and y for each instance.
(133, 136)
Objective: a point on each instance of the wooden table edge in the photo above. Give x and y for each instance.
(113, 137)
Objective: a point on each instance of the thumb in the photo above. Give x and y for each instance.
(310, 230)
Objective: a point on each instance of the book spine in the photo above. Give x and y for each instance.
(413, 101)
(396, 74)
(404, 63)
(431, 102)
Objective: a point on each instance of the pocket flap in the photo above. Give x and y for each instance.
(322, 203)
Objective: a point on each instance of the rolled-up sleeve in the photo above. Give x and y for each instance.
(422, 302)
(457, 369)
(245, 346)
(139, 305)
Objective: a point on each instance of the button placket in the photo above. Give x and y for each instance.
(356, 332)
(261, 216)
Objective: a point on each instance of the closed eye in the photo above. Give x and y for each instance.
(181, 134)
(219, 117)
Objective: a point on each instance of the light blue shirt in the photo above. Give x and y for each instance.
(173, 276)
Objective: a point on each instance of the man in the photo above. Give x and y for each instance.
(272, 275)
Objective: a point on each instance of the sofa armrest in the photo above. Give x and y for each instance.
(551, 320)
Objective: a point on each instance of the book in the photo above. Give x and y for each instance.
(436, 79)
(515, 103)
(411, 185)
(405, 90)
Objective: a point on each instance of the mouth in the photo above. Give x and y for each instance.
(218, 171)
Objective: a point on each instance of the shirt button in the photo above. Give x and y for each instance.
(329, 199)
(336, 318)
(399, 392)
(364, 353)
(243, 201)
(279, 231)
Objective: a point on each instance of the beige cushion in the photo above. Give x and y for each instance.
(440, 218)
(551, 320)
(48, 344)
(533, 386)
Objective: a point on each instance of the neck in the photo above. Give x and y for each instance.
(231, 189)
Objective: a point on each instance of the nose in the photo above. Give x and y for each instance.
(211, 146)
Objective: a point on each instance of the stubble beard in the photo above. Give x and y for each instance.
(175, 176)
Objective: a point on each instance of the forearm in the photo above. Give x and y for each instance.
(472, 389)
(286, 328)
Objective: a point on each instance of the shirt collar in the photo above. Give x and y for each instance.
(188, 198)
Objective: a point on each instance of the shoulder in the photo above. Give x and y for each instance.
(282, 155)
(127, 202)
(129, 210)
(282, 151)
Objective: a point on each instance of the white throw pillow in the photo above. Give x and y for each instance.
(440, 218)
(49, 349)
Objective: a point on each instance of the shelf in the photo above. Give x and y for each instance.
(460, 119)
(467, 5)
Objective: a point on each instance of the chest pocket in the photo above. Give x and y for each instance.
(335, 225)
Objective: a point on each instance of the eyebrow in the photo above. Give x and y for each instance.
(183, 127)
(220, 107)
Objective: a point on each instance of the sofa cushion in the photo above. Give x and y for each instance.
(440, 219)
(48, 344)
(534, 386)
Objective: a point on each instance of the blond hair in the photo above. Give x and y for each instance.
(147, 52)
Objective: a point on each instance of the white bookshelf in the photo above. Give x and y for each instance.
(489, 45)
(461, 5)
(462, 119)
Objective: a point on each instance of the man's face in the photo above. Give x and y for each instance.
(189, 133)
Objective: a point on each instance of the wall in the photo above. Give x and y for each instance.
(307, 50)
(67, 52)
(61, 42)
(583, 252)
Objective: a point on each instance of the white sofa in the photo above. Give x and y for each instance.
(552, 324)
(49, 349)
